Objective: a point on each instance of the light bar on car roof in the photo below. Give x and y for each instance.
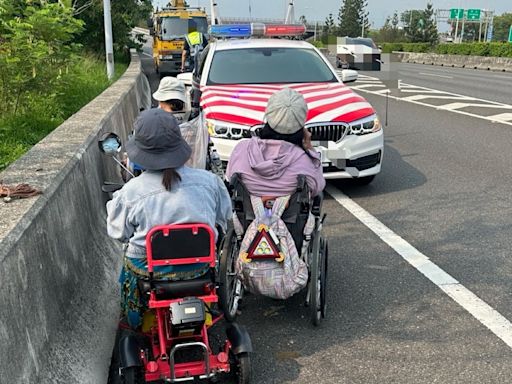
(257, 29)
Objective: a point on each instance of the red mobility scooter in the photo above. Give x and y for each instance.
(177, 348)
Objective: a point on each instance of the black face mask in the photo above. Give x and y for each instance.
(295, 138)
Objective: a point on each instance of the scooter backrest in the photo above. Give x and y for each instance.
(180, 244)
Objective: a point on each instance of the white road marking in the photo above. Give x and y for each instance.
(436, 75)
(410, 88)
(452, 106)
(437, 97)
(147, 54)
(479, 309)
(502, 116)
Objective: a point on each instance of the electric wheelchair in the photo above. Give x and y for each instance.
(295, 216)
(176, 346)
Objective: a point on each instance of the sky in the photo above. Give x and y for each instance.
(318, 10)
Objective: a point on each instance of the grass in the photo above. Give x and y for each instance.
(43, 113)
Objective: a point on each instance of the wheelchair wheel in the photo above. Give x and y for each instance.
(230, 290)
(323, 277)
(315, 281)
(241, 367)
(132, 375)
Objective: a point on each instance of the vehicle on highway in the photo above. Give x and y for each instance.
(236, 77)
(358, 53)
(168, 27)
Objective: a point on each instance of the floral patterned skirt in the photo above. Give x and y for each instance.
(133, 304)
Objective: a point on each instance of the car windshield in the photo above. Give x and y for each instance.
(268, 65)
(175, 27)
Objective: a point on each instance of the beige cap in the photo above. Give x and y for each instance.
(286, 111)
(170, 88)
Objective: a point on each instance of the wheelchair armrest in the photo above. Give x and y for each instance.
(316, 208)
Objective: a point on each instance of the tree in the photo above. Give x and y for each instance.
(125, 16)
(36, 46)
(501, 27)
(430, 34)
(352, 18)
(420, 25)
(390, 33)
(329, 27)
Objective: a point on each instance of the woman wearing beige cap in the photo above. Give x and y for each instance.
(269, 164)
(172, 98)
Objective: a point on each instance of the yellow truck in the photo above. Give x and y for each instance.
(169, 26)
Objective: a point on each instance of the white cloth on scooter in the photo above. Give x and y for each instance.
(143, 202)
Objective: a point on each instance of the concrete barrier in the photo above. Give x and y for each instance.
(59, 294)
(459, 61)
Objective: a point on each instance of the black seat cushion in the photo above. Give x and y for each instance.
(167, 289)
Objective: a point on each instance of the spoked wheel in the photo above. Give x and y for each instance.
(230, 291)
(324, 263)
(241, 367)
(132, 375)
(315, 281)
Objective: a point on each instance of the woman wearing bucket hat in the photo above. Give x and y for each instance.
(269, 164)
(168, 192)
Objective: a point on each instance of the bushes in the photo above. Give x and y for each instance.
(473, 49)
(42, 112)
(406, 47)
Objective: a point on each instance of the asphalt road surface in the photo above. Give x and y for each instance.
(419, 261)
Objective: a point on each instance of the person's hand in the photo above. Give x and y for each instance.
(182, 69)
(306, 142)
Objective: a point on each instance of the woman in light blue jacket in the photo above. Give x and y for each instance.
(168, 192)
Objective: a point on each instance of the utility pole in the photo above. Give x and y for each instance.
(109, 50)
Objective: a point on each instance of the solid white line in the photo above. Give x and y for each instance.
(433, 74)
(147, 54)
(479, 309)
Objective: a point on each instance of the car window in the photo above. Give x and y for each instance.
(268, 65)
(175, 27)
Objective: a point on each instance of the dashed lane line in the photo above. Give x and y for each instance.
(435, 75)
(479, 309)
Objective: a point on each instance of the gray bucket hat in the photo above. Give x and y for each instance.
(286, 111)
(170, 88)
(157, 143)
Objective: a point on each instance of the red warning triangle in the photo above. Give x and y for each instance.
(263, 246)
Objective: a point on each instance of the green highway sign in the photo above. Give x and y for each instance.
(473, 14)
(510, 34)
(456, 13)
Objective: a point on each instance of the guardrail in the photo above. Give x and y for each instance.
(58, 268)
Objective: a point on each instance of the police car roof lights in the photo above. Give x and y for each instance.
(257, 29)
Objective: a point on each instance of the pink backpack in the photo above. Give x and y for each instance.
(268, 263)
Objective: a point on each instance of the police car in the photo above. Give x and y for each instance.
(238, 72)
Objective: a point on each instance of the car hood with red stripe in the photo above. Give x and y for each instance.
(245, 104)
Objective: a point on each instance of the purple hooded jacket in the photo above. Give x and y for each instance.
(270, 167)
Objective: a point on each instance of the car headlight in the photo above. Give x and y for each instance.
(364, 126)
(227, 131)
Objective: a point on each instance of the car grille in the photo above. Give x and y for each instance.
(328, 132)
